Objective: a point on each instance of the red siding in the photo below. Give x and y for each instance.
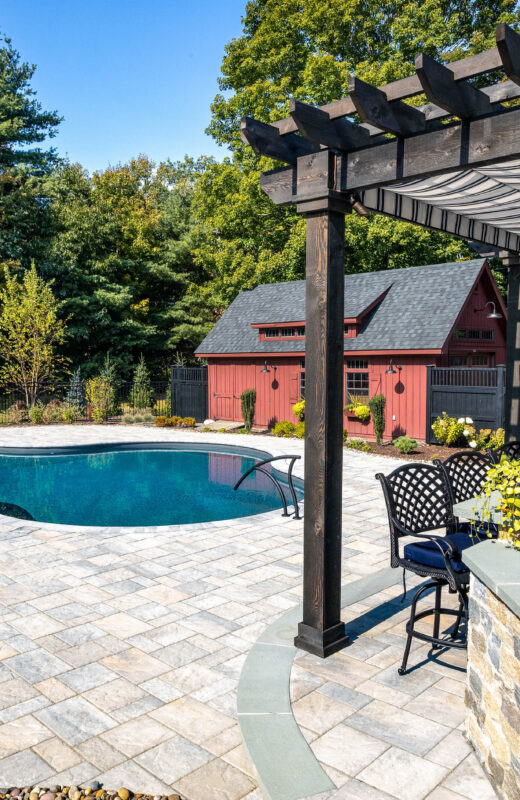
(278, 390)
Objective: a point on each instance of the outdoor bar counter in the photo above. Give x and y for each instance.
(493, 683)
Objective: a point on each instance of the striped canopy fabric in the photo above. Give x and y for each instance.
(482, 204)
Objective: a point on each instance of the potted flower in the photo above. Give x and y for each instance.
(504, 480)
(357, 409)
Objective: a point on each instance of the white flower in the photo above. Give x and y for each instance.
(469, 420)
(465, 432)
(460, 420)
(473, 443)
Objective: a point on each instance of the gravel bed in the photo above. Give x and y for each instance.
(94, 791)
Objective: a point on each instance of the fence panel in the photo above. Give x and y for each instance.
(465, 392)
(190, 392)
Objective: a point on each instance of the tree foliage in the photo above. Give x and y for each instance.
(30, 334)
(24, 229)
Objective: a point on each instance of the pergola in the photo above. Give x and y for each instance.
(452, 165)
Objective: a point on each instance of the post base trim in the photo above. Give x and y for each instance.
(321, 643)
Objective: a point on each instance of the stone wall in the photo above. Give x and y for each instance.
(493, 689)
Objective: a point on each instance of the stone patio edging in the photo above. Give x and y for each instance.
(285, 766)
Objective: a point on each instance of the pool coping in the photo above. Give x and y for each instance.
(107, 447)
(283, 762)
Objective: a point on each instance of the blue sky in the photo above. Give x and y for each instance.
(128, 76)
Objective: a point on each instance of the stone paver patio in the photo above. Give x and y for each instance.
(121, 651)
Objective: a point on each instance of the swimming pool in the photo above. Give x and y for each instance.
(134, 485)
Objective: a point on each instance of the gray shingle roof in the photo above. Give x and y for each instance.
(417, 313)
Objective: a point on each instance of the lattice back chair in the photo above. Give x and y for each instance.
(420, 507)
(466, 473)
(510, 449)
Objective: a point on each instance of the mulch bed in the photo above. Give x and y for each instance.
(424, 452)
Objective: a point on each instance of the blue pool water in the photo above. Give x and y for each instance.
(133, 488)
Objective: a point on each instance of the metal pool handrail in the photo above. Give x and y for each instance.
(260, 467)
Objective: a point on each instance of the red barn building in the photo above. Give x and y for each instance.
(436, 314)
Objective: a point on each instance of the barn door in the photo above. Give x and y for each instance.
(224, 393)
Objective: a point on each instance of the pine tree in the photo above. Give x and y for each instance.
(76, 395)
(141, 393)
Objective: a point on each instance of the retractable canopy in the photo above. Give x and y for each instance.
(452, 165)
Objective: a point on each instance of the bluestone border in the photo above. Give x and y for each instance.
(285, 766)
(497, 565)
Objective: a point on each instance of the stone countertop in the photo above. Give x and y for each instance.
(497, 565)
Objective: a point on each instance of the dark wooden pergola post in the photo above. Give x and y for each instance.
(321, 631)
(512, 398)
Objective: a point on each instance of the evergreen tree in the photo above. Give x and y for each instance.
(141, 392)
(25, 228)
(75, 397)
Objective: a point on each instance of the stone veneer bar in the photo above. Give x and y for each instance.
(493, 683)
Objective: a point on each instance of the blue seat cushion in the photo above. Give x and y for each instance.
(427, 553)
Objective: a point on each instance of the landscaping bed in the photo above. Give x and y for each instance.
(93, 791)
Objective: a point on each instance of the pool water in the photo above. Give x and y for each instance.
(133, 488)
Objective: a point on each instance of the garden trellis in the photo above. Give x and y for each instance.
(452, 165)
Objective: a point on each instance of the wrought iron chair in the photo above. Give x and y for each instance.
(510, 449)
(419, 502)
(465, 474)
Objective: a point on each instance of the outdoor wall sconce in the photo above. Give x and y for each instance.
(494, 314)
(391, 370)
(266, 367)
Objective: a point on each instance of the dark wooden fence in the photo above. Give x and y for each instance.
(190, 392)
(465, 392)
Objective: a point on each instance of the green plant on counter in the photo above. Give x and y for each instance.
(284, 428)
(448, 430)
(299, 410)
(504, 478)
(405, 444)
(377, 405)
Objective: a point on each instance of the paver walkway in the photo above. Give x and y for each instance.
(121, 651)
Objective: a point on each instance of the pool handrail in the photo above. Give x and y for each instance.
(259, 466)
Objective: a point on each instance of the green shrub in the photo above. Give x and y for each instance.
(36, 413)
(486, 437)
(141, 392)
(189, 422)
(161, 422)
(243, 430)
(175, 421)
(345, 435)
(284, 428)
(377, 405)
(405, 444)
(17, 413)
(101, 397)
(138, 418)
(247, 406)
(300, 430)
(69, 414)
(219, 430)
(448, 430)
(76, 395)
(299, 410)
(358, 444)
(52, 412)
(128, 419)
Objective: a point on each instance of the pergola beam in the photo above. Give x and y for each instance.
(508, 46)
(316, 125)
(456, 97)
(265, 140)
(373, 107)
(469, 67)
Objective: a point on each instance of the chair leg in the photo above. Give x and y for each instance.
(455, 631)
(437, 615)
(409, 627)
